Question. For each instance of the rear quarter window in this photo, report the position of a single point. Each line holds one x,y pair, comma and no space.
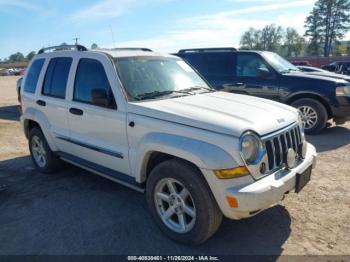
33,76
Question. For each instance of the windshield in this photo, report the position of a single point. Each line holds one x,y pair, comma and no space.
279,63
154,77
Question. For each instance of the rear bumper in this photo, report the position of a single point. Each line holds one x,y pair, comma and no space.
256,196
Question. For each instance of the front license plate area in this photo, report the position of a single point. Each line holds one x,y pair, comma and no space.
303,179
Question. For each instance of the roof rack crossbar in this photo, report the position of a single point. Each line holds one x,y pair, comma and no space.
131,49
63,47
192,50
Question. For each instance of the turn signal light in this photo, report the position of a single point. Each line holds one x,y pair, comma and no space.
233,202
231,173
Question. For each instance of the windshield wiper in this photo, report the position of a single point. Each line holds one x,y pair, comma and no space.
155,94
195,88
286,71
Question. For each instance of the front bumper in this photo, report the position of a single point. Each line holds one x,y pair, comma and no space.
341,112
256,195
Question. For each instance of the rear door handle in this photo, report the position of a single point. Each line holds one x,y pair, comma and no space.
76,111
41,103
240,84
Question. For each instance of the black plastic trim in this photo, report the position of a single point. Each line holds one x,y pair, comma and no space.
101,170
95,148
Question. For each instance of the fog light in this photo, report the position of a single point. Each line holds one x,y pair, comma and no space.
291,158
262,168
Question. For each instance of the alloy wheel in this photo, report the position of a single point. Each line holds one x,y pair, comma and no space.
309,116
175,205
38,151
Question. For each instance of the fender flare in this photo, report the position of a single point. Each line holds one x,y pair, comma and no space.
38,117
200,153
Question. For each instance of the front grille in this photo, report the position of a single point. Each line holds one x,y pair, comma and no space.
277,147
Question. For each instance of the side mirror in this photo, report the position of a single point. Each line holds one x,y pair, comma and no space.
99,97
263,72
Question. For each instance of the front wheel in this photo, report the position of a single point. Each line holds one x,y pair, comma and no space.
313,114
181,202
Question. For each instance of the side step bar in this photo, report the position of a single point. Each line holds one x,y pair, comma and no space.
110,174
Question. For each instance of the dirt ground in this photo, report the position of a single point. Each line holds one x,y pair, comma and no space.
76,212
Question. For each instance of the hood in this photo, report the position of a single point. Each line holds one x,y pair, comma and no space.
317,76
330,74
220,112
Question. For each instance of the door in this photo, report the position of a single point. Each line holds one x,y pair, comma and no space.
219,69
253,76
52,100
97,127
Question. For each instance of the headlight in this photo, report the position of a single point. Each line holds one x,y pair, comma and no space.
251,148
343,91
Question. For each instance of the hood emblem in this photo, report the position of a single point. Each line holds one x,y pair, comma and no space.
280,120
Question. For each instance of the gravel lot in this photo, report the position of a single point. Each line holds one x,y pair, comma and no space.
76,212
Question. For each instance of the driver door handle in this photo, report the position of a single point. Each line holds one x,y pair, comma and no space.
41,103
76,111
239,84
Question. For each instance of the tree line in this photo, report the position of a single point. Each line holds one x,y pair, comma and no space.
18,57
325,27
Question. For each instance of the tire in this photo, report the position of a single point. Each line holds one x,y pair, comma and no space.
317,116
206,215
37,142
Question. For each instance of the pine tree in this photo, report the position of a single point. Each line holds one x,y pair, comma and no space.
327,23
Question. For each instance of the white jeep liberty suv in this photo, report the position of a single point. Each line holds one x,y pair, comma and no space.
150,122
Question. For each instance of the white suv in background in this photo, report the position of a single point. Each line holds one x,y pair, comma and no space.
150,122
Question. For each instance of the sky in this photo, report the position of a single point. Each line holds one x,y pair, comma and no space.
162,25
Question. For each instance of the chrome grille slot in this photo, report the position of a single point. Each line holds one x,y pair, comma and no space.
284,148
277,152
270,157
277,147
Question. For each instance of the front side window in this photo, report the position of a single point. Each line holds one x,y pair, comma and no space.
154,77
33,76
248,65
56,77
90,76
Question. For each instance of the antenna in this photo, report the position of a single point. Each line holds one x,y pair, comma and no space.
113,40
76,40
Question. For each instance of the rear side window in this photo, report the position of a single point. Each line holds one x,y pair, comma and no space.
211,64
196,61
56,77
220,64
90,75
33,76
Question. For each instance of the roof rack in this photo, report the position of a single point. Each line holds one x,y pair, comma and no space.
127,49
216,49
63,47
